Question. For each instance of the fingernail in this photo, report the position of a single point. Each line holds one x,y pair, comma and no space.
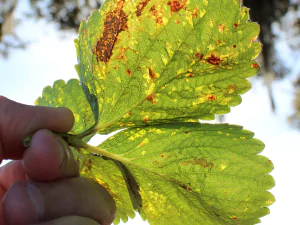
62,151
37,199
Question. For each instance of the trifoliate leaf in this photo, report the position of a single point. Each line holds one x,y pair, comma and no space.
188,173
156,61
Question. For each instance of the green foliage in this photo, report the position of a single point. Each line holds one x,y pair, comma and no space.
155,68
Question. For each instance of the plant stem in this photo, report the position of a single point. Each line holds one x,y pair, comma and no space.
76,142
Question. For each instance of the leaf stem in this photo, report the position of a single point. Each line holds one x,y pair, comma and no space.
77,142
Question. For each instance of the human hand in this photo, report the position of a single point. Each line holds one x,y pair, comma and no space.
42,185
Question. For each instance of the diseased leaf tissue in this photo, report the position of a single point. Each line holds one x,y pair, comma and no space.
153,68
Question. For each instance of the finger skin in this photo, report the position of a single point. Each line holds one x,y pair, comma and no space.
10,173
40,202
49,158
17,121
71,220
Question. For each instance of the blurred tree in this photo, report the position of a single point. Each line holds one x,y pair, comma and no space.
266,12
67,13
7,25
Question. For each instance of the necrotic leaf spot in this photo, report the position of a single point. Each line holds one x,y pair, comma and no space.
128,72
151,74
176,5
213,59
115,23
141,6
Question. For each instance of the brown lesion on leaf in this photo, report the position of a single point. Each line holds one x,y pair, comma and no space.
140,7
203,162
213,59
128,72
154,11
150,98
186,187
159,20
211,97
146,119
152,74
115,23
176,5
230,89
199,56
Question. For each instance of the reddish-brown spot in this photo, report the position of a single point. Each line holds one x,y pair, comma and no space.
201,162
176,5
186,132
154,11
186,187
115,23
212,98
141,6
234,218
218,42
195,15
146,119
159,20
199,56
191,75
221,27
151,74
150,97
236,25
177,21
213,59
231,89
255,65
234,46
128,72
162,155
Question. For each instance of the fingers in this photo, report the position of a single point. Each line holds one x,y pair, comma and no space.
18,121
71,220
40,202
49,158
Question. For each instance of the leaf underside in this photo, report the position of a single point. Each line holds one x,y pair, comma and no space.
156,67
200,173
146,63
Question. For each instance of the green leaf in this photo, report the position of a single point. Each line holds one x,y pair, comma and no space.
152,61
69,95
188,172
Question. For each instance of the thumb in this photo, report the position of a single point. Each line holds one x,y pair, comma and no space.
18,121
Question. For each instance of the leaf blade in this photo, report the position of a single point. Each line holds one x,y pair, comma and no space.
183,164
202,49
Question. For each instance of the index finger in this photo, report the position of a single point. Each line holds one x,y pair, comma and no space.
18,121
